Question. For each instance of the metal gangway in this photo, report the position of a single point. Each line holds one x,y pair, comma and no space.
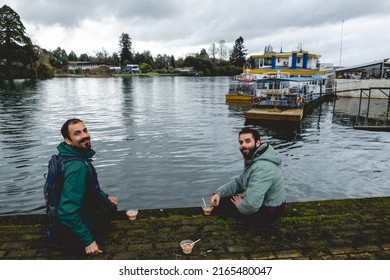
363,121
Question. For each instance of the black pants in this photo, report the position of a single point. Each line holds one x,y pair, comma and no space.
71,245
265,216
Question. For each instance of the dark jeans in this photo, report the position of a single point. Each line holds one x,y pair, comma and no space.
265,216
70,243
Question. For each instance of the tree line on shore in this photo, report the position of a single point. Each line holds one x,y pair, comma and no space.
20,58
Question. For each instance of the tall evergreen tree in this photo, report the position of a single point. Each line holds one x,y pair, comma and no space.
59,59
173,61
237,57
15,45
204,54
83,57
72,56
125,52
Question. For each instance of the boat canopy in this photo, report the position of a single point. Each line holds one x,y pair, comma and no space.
292,79
235,82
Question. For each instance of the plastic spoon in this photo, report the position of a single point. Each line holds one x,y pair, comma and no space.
195,241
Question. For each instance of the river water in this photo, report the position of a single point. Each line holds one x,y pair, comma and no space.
165,142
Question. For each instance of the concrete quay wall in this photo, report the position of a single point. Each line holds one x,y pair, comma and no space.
331,229
351,87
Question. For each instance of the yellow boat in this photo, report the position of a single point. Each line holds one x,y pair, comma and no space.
283,98
242,89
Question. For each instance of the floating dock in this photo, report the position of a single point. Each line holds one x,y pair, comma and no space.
272,114
373,127
237,98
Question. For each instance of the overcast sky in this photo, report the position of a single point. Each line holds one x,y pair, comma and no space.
359,28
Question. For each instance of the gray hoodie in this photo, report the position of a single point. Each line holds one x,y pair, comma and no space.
261,182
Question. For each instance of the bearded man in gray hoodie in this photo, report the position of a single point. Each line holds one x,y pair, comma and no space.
257,196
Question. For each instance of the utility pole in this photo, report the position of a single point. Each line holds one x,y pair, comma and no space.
341,41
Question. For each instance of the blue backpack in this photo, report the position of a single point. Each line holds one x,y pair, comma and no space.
53,188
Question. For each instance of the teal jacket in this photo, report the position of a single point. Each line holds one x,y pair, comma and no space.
81,194
261,182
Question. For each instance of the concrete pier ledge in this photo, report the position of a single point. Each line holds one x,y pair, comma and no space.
332,229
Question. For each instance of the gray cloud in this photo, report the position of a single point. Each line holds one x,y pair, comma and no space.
266,12
71,12
196,23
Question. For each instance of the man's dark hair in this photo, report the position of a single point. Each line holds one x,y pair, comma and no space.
252,131
65,127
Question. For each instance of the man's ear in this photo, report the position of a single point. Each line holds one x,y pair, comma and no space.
258,143
68,141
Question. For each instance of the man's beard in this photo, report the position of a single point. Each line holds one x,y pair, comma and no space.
88,147
249,156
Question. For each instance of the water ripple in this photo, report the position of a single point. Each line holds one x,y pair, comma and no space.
169,141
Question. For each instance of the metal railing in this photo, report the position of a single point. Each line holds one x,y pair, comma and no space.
366,92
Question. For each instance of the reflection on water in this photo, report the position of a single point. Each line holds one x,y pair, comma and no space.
169,141
355,111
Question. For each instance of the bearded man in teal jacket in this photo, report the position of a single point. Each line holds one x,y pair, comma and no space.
257,195
84,209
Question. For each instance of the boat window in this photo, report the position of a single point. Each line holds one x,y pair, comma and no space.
267,61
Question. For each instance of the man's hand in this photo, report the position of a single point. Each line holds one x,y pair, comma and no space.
113,200
214,199
93,249
236,200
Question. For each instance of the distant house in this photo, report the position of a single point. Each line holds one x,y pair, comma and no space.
131,68
185,71
115,69
81,65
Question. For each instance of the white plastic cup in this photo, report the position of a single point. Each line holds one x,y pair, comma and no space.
207,209
186,246
132,214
